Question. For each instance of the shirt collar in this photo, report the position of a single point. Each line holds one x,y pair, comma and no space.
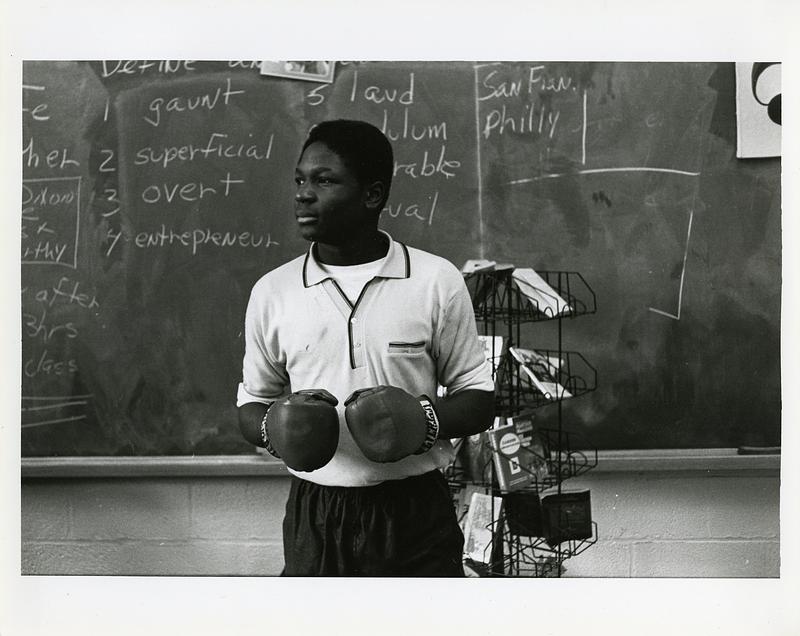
396,265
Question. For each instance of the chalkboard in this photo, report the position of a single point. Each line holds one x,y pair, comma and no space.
155,193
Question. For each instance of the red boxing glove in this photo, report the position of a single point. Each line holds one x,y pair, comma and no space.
302,429
389,424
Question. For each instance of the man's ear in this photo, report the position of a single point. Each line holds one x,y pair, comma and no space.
373,195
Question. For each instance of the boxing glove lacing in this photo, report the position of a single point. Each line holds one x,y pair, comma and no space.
432,423
265,436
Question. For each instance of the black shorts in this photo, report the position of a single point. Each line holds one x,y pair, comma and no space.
406,527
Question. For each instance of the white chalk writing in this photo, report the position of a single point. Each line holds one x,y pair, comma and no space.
428,167
216,146
56,159
194,239
38,112
494,86
41,325
68,291
208,101
407,129
45,364
50,218
529,119
137,67
379,95
420,211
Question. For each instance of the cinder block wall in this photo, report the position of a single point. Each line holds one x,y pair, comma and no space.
668,524
178,526
681,525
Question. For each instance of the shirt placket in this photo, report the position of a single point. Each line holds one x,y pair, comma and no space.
357,324
357,343
354,317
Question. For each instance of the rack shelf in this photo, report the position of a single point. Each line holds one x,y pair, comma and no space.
474,462
533,556
574,377
516,551
496,297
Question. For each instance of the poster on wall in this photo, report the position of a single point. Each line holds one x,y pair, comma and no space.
758,109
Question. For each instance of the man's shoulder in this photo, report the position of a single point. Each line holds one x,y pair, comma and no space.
427,265
285,276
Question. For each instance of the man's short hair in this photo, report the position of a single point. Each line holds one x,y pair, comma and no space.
364,149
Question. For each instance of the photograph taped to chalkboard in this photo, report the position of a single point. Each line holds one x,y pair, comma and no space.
312,71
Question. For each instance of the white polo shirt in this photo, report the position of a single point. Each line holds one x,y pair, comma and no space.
412,327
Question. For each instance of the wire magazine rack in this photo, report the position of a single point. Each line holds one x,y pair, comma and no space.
520,541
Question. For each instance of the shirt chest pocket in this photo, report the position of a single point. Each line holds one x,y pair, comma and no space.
406,348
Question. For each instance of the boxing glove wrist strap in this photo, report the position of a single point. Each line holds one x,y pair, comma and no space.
432,421
265,436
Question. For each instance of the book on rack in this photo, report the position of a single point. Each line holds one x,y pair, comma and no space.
523,513
535,457
517,454
566,515
480,527
540,372
541,295
506,450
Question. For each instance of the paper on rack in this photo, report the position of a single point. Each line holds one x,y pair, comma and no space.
482,519
550,390
542,372
536,289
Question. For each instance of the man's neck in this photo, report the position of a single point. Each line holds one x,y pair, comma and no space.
365,249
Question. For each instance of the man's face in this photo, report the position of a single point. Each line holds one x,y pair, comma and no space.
329,202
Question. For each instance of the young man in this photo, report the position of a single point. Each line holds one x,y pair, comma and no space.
345,347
